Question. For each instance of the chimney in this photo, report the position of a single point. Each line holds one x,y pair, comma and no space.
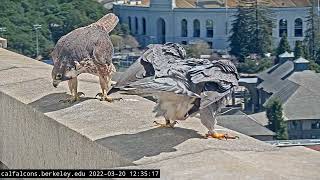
301,64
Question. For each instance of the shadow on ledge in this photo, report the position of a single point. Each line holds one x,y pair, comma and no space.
148,143
51,102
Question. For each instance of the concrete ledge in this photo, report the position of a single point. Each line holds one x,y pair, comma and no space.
36,131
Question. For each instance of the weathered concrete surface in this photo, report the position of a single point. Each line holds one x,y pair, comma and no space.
37,131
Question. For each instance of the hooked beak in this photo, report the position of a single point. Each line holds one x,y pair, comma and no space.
55,83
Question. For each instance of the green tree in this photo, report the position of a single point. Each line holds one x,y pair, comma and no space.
283,45
240,38
254,66
117,42
57,17
251,29
298,50
121,29
276,121
312,37
197,48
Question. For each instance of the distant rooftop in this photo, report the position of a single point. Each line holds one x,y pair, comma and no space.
287,55
220,3
301,60
245,124
298,91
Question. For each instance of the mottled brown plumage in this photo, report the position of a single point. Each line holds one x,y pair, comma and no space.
85,50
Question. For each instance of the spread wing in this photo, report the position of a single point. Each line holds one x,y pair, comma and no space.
163,68
155,62
158,71
218,79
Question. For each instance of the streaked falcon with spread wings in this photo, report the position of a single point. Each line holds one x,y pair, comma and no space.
85,50
182,86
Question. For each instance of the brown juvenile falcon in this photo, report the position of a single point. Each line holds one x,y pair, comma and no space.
85,50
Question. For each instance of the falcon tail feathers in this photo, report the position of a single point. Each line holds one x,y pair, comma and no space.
108,22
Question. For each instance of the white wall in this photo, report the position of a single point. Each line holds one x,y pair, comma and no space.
173,19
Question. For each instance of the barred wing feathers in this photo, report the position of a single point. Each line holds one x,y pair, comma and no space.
218,79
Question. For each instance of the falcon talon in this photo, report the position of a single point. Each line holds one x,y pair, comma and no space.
167,125
221,136
99,95
80,94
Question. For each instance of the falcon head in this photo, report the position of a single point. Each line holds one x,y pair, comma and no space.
63,71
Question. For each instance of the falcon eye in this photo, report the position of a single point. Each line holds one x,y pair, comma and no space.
58,76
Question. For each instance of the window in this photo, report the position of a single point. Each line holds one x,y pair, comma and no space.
136,25
184,28
294,125
315,125
283,27
129,23
144,28
210,44
298,28
209,27
196,28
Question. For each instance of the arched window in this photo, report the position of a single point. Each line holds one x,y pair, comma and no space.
184,28
129,23
209,27
196,28
136,25
161,31
298,28
283,27
144,28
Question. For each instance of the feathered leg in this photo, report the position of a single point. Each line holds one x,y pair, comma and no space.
73,87
208,119
105,84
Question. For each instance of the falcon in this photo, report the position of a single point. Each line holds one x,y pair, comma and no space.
182,86
85,50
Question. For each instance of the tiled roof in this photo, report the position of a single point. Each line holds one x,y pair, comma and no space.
298,91
245,124
231,3
272,77
305,102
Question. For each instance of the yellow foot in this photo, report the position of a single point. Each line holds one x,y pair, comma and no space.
73,99
221,136
106,98
167,125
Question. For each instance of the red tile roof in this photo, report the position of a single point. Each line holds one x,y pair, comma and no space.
233,3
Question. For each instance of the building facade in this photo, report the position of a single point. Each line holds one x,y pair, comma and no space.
183,21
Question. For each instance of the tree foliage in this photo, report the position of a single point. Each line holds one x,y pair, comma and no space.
57,17
276,121
251,29
197,48
298,50
312,37
121,38
254,66
283,45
